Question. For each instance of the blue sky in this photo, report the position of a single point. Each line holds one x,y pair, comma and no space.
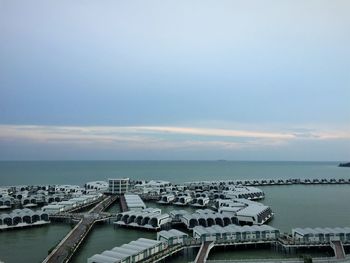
242,80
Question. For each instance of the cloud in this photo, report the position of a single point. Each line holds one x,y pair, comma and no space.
160,137
217,132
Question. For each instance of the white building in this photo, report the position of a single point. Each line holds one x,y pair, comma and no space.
72,203
134,202
96,186
118,185
22,218
172,237
235,233
200,201
246,192
153,186
6,202
204,217
246,211
321,234
134,251
166,199
149,218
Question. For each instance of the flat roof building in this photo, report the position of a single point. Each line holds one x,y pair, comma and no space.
118,185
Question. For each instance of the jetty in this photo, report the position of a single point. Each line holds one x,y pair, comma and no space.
280,244
70,243
122,202
217,185
204,251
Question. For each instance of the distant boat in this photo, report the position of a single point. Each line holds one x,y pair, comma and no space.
344,164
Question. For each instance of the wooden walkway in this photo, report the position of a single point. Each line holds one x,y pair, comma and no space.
338,249
204,252
123,206
66,248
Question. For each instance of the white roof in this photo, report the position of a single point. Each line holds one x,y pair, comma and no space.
113,254
103,259
119,253
216,229
171,233
318,230
122,250
252,210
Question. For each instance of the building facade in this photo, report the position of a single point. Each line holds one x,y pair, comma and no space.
118,185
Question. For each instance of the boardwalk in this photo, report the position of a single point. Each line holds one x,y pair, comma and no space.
66,248
338,249
204,252
205,248
123,206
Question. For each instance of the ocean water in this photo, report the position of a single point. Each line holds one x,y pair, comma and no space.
79,172
294,205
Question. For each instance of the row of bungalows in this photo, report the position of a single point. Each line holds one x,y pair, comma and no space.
207,185
166,198
204,185
134,202
153,187
318,234
96,187
28,201
41,197
229,191
233,233
71,204
183,199
45,192
23,218
133,252
4,191
149,218
6,202
200,201
172,237
67,189
246,211
247,192
203,217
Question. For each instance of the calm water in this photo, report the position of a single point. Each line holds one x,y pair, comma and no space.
176,171
294,206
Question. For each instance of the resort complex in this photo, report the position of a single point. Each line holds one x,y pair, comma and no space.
200,216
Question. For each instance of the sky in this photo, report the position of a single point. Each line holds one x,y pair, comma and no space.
175,80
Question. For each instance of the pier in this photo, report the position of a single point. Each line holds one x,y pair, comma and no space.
338,249
67,247
122,202
281,243
204,252
264,182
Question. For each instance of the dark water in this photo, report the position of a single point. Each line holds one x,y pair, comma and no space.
30,244
295,206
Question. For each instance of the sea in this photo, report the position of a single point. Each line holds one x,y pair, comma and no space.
293,205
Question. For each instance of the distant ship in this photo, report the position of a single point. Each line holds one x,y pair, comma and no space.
344,164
